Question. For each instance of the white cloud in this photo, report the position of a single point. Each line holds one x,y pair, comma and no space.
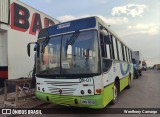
129,9
152,29
108,20
114,20
47,1
101,1
66,18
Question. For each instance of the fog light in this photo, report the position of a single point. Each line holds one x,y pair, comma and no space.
82,92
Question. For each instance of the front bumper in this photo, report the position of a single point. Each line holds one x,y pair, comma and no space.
95,101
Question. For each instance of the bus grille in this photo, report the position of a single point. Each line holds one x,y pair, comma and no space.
67,88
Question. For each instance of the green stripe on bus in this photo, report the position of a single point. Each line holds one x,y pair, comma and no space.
108,94
123,82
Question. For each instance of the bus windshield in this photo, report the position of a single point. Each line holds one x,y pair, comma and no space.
73,53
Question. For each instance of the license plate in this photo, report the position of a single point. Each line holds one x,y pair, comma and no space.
88,102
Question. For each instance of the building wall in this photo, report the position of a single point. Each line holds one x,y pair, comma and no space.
3,48
20,32
4,10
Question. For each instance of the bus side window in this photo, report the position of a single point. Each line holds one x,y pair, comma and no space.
115,48
127,54
109,48
112,48
120,50
103,49
130,56
123,53
108,51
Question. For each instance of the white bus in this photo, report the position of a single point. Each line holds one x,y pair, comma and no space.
81,63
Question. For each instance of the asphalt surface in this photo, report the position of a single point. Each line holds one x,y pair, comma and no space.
145,93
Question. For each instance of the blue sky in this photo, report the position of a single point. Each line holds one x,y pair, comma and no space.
137,22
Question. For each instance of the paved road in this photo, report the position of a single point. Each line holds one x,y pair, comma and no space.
145,93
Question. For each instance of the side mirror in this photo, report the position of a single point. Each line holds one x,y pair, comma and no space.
36,48
28,49
107,39
139,62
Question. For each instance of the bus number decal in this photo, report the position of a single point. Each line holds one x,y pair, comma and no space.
85,79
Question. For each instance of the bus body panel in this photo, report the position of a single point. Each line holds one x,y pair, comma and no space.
118,69
107,94
104,82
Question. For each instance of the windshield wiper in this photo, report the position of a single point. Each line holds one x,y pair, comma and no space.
73,38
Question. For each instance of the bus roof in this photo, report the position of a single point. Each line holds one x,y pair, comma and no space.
74,25
78,24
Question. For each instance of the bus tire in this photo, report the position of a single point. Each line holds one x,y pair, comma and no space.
1,91
129,83
136,76
115,94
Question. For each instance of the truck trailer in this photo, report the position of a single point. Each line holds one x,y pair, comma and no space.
137,63
144,65
19,25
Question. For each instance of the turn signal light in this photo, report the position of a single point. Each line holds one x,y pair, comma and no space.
98,90
82,92
85,84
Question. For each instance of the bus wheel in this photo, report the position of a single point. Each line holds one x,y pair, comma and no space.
129,83
115,94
